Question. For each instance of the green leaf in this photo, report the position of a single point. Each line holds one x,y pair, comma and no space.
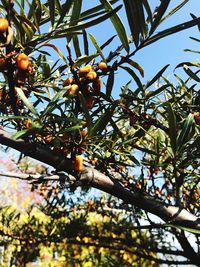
65,10
172,30
95,9
52,104
86,111
110,83
76,11
92,38
132,15
136,66
184,228
148,10
174,10
76,44
172,127
85,42
191,74
22,133
117,23
25,100
159,14
157,91
57,50
52,11
135,77
185,132
102,122
157,76
185,64
84,59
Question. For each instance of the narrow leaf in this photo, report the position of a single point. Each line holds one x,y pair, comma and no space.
172,127
25,100
185,132
159,14
86,111
110,83
84,59
135,77
92,38
52,104
117,23
136,66
172,30
157,76
102,122
157,91
191,74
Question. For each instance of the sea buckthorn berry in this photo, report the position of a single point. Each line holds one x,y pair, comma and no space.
22,61
78,164
3,25
102,65
97,84
91,75
68,81
73,90
197,118
85,69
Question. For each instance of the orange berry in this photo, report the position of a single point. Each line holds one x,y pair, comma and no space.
197,118
97,85
78,164
91,75
73,90
102,65
85,69
3,25
68,81
22,61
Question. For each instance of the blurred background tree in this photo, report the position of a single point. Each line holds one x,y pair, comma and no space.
136,140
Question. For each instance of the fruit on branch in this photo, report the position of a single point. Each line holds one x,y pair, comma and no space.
84,70
97,84
102,65
68,81
22,61
73,90
3,25
78,164
91,76
197,118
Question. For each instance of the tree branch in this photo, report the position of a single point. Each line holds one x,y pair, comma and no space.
93,178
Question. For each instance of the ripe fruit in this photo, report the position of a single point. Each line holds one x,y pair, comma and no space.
22,61
85,69
3,25
97,85
102,65
197,118
91,75
78,164
68,81
73,90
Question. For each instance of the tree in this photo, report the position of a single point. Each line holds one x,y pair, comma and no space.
61,115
